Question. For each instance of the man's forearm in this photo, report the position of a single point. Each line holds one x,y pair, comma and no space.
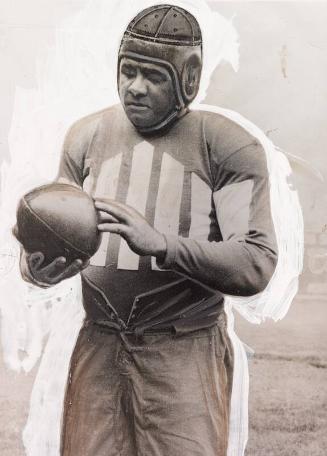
233,267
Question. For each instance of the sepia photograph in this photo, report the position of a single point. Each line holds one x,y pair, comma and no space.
163,235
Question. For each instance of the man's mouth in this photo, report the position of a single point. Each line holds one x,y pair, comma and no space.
136,104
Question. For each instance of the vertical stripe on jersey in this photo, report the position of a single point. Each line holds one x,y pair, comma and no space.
233,208
137,197
106,188
169,197
185,210
201,195
145,261
121,195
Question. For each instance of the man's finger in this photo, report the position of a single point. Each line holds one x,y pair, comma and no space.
105,217
55,266
119,211
116,228
124,207
85,264
75,267
128,210
35,260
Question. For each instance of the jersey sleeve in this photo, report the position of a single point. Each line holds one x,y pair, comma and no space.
244,261
77,142
69,173
71,160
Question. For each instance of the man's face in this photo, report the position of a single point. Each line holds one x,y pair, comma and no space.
146,92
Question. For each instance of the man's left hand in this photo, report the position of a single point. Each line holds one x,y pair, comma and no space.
132,226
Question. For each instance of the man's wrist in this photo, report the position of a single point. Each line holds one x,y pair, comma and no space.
161,248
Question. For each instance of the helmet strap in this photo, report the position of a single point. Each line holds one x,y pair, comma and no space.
164,124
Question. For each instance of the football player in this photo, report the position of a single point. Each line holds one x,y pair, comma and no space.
184,205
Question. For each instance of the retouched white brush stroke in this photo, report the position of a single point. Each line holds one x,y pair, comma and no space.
275,300
79,77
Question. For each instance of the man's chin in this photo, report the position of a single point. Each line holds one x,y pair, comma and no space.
139,120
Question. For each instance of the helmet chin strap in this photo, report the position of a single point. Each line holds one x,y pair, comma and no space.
163,124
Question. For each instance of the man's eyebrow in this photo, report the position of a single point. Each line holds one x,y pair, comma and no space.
153,71
127,65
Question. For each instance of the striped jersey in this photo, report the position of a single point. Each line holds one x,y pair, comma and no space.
203,183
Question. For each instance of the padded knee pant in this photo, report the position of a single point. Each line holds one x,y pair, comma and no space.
156,395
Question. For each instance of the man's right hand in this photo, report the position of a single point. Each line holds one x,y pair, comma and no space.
47,276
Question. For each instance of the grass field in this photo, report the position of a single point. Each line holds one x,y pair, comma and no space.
288,383
288,387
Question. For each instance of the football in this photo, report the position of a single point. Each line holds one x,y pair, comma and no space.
58,220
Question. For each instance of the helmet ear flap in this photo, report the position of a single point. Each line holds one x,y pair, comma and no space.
191,75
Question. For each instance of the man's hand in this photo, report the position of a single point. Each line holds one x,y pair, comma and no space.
44,277
131,225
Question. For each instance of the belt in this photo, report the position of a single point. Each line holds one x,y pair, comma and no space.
132,338
180,307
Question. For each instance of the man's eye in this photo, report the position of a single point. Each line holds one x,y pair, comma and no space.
128,72
155,79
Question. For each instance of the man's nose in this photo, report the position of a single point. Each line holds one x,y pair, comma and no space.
138,87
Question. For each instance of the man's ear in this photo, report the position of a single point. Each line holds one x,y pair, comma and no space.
191,76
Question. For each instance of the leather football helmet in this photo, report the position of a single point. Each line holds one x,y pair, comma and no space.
171,37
